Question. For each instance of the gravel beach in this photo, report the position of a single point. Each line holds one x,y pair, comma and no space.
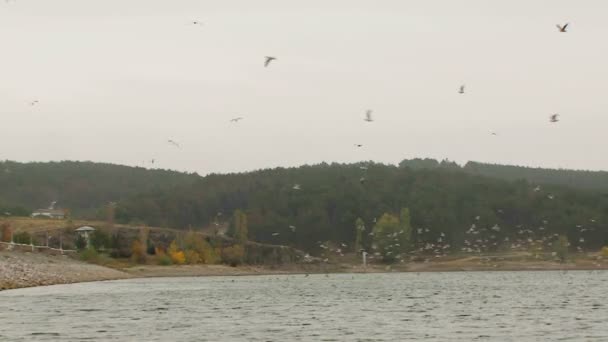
25,269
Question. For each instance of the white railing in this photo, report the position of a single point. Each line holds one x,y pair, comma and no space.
11,245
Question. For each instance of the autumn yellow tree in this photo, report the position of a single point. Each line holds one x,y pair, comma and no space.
176,255
196,243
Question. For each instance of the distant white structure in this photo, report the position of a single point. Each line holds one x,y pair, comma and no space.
50,212
85,232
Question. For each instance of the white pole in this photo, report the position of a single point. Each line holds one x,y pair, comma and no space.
364,253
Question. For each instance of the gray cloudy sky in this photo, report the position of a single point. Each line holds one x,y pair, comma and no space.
116,78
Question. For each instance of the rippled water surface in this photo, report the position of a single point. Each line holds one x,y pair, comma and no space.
491,306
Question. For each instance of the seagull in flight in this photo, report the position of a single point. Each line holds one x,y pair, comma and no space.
33,103
554,118
172,142
562,28
293,228
296,187
461,90
493,133
358,145
268,60
196,22
236,119
368,116
275,234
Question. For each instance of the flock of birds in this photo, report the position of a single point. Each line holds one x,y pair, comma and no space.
478,240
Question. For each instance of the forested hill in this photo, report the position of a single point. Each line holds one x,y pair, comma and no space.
83,187
588,180
306,206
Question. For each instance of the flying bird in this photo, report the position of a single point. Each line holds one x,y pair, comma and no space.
296,187
275,234
461,90
362,180
368,116
358,145
554,118
236,119
493,133
293,228
196,22
562,28
172,142
33,103
268,60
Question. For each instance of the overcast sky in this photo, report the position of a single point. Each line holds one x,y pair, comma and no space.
115,79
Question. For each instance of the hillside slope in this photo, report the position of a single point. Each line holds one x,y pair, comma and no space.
306,206
83,187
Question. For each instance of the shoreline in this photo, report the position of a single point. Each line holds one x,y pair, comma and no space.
26,269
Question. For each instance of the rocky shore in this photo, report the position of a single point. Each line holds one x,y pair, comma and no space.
25,269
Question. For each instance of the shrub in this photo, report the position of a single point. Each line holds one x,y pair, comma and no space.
604,252
210,256
138,252
23,238
164,260
192,257
120,246
89,254
178,257
100,240
233,255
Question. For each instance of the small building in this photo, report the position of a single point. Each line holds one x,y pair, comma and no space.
49,213
85,232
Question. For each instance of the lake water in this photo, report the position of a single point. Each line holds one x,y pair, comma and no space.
463,306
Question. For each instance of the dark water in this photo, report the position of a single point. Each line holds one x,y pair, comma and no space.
490,306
